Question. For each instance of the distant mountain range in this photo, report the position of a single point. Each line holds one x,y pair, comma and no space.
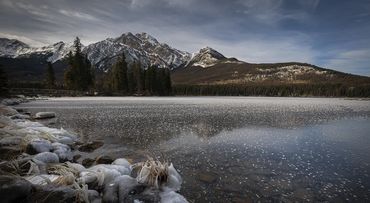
207,66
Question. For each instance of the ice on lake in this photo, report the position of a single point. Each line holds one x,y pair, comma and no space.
235,148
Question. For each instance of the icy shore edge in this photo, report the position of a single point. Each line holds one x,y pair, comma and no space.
37,164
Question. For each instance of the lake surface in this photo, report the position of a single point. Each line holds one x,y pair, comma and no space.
234,149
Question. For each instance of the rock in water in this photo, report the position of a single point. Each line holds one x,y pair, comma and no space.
207,177
14,189
90,146
42,115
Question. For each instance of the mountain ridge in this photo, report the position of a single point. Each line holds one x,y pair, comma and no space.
207,66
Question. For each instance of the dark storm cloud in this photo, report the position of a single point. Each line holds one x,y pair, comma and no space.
330,33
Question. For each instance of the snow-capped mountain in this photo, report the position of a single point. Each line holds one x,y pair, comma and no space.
140,47
207,57
12,48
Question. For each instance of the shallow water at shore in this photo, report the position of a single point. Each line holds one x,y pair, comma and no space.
234,148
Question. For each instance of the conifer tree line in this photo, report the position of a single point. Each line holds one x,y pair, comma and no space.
134,79
50,77
281,90
79,74
3,83
121,79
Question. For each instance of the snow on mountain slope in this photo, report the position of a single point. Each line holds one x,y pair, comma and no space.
139,47
16,49
206,57
12,47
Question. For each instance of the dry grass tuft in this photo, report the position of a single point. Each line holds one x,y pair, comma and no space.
152,172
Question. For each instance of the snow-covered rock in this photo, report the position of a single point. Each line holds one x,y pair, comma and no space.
38,145
172,197
47,157
122,162
41,115
63,151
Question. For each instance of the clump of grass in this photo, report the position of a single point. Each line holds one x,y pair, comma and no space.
152,172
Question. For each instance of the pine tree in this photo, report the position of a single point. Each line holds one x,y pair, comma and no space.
79,74
119,75
138,77
131,82
150,80
167,82
50,76
3,83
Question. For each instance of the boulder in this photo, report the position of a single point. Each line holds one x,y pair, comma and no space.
44,115
11,141
7,111
90,146
47,157
88,162
172,197
5,121
14,189
63,151
122,162
76,157
50,193
94,196
103,160
20,116
38,145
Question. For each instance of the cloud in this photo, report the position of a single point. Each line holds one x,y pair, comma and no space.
75,14
251,30
351,61
22,39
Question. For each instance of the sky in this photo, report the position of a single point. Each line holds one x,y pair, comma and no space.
333,34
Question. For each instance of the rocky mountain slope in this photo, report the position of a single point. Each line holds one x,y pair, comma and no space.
140,47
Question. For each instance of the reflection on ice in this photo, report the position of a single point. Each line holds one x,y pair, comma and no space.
232,149
308,163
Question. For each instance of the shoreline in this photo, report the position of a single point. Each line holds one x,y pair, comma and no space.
36,159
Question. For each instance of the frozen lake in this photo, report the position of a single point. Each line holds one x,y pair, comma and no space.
232,149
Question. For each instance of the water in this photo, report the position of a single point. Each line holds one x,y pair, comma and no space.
235,149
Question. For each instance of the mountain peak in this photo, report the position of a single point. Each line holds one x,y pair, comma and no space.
206,57
11,47
146,37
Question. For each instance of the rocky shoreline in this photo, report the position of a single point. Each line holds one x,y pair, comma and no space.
39,164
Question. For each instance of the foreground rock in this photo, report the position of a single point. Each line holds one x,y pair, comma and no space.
14,189
44,115
7,111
